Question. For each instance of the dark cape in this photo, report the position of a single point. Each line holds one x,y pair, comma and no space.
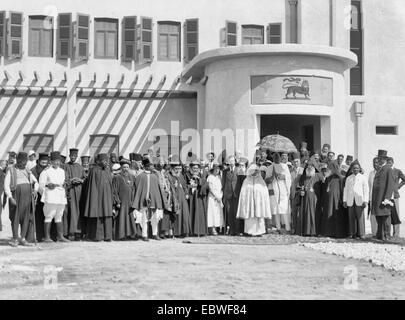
230,200
309,206
156,196
72,220
335,221
123,196
198,205
99,205
182,225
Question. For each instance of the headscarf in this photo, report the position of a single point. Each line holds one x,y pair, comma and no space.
252,168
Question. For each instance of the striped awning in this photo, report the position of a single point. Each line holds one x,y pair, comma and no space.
33,91
135,94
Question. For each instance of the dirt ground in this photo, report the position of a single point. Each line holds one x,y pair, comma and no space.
171,269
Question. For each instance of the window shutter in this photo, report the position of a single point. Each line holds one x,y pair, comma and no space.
2,33
274,33
191,39
64,32
14,42
146,40
82,37
129,36
231,33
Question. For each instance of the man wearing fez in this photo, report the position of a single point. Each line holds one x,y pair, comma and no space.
85,161
324,153
74,180
20,186
136,164
383,188
149,200
12,158
98,201
52,189
42,164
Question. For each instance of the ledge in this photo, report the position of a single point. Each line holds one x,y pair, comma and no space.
196,67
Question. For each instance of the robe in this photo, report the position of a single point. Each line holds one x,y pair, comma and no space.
182,225
280,201
71,220
309,206
335,220
198,206
254,205
155,192
2,176
230,200
215,214
99,205
123,195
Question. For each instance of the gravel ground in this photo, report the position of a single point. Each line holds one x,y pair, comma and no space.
389,256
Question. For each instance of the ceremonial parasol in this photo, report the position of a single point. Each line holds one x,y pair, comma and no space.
277,143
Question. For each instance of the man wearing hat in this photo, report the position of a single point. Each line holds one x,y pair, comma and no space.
42,164
12,158
31,160
304,153
52,189
98,201
20,186
383,188
149,200
296,172
85,161
136,164
74,180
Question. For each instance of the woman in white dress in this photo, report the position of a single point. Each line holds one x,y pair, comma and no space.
254,203
215,215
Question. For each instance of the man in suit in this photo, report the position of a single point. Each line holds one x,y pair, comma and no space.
395,215
383,188
355,197
233,226
371,216
296,173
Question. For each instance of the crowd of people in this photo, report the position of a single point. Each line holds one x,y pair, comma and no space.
150,197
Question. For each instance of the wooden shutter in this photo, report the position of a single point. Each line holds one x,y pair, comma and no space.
231,33
191,39
146,40
129,36
64,36
274,33
3,33
82,37
14,41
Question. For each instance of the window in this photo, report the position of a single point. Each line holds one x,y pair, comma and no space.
191,39
14,40
64,42
40,143
252,34
129,38
40,36
231,33
145,40
82,37
386,130
2,33
168,41
106,38
103,143
356,46
274,33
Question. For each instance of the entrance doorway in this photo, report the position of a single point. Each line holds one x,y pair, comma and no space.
297,128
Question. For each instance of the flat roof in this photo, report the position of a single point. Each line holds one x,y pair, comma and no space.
196,67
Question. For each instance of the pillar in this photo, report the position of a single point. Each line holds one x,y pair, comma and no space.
293,20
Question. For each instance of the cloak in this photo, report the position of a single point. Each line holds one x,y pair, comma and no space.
157,199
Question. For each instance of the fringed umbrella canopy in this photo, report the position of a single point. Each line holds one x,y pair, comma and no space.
277,143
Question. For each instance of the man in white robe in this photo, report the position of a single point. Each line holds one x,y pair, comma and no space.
278,179
254,203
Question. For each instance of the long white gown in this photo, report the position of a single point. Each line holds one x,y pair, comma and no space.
215,215
280,202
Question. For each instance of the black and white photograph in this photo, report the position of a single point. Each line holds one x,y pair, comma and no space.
185,150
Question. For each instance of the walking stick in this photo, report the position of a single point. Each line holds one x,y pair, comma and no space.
33,205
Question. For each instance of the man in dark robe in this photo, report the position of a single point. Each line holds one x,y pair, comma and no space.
123,195
233,226
42,164
98,201
197,189
335,220
309,205
383,189
74,181
149,200
296,173
182,226
395,214
3,166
